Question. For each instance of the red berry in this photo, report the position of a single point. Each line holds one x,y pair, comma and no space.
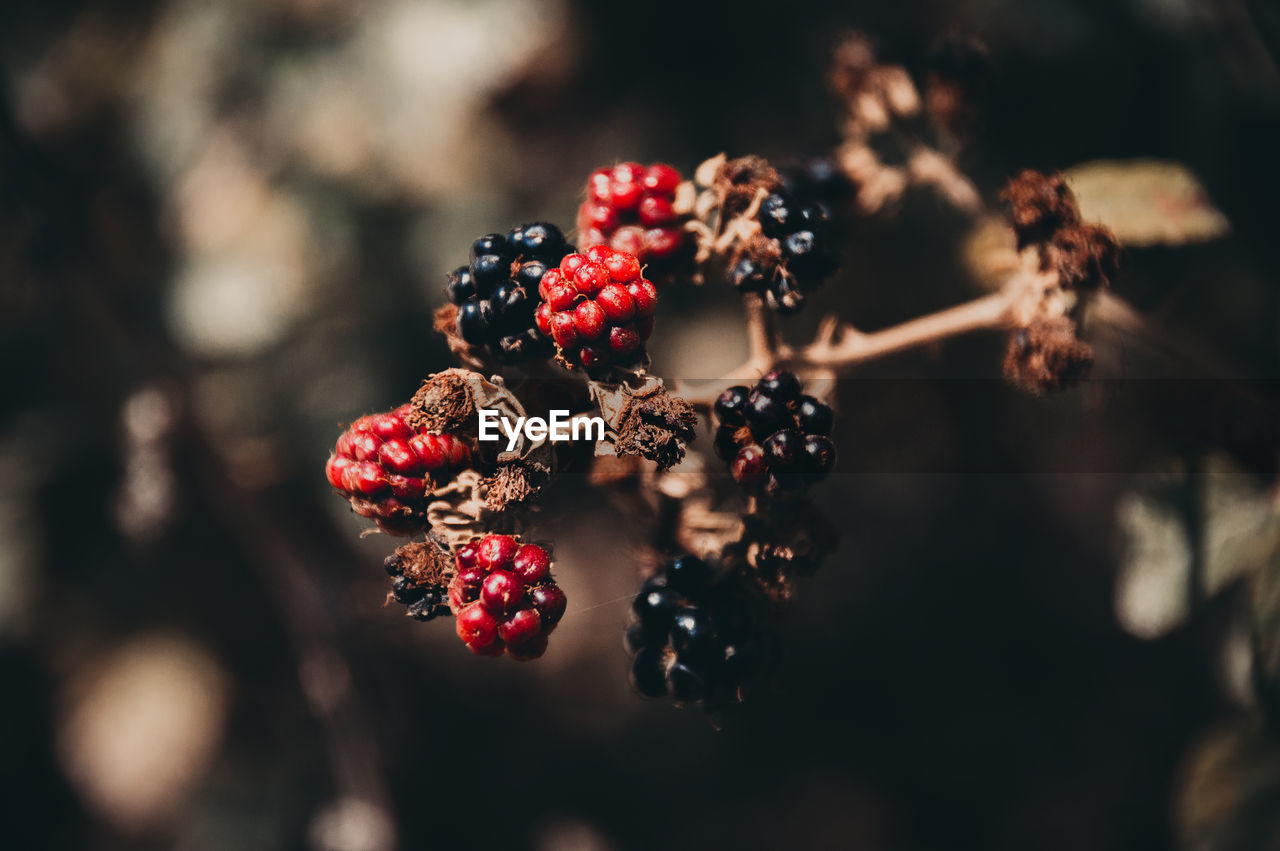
542,318
408,487
398,456
364,478
365,445
502,592
428,450
531,564
550,602
623,340
656,211
616,303
623,268
522,627
661,179
465,587
388,426
589,319
529,650
598,184
550,278
630,240
570,263
632,208
334,468
749,466
644,295
662,243
628,173
590,278
625,196
477,627
601,216
563,330
466,555
600,253
496,552
591,357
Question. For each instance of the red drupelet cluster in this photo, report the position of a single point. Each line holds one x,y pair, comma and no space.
504,597
386,468
632,208
598,308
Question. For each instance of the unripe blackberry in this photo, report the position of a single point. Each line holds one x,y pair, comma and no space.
501,581
773,436
631,208
696,636
387,470
598,309
497,294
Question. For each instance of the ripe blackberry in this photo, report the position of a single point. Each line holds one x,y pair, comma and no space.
631,207
387,469
597,308
820,182
792,260
497,293
774,437
699,638
504,597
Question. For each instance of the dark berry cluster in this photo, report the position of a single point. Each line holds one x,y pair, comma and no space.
504,597
597,308
386,468
799,259
497,293
632,208
819,181
698,637
774,437
426,600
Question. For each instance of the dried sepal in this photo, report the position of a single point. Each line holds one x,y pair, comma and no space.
1046,355
423,563
642,419
515,484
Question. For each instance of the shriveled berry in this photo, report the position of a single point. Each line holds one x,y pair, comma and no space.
405,590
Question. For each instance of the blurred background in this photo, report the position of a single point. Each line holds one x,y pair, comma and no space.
1051,623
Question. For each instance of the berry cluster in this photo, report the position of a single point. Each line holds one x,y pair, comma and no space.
495,294
632,208
799,257
597,308
698,638
386,468
426,601
819,181
774,437
504,597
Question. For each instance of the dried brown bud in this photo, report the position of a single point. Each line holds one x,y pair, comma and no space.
444,404
739,181
515,484
1047,356
956,85
1039,205
657,427
425,562
1085,255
